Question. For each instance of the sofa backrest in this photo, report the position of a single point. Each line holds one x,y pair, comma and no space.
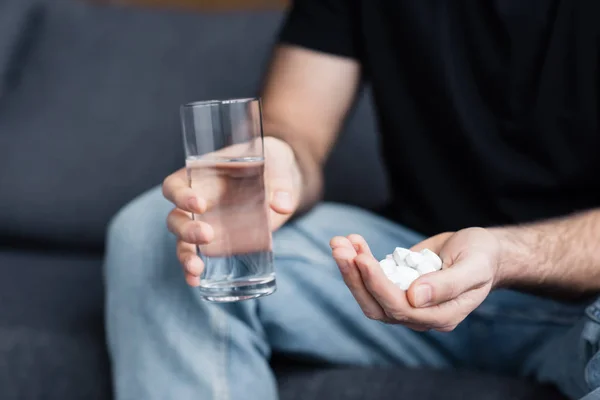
89,111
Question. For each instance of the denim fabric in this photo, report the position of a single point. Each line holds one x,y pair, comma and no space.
167,343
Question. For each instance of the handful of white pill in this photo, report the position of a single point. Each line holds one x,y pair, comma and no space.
403,266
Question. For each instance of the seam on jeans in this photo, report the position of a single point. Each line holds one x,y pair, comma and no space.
220,330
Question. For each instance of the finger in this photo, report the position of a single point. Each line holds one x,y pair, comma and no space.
276,220
395,304
360,244
418,328
391,299
443,317
344,255
189,259
434,243
192,280
282,200
176,189
340,241
438,287
182,226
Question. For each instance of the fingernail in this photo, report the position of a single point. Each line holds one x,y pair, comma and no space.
283,199
422,295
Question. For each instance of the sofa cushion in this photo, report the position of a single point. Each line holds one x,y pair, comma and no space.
93,120
404,383
18,21
51,327
93,116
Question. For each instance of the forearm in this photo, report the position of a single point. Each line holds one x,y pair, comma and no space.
306,97
559,256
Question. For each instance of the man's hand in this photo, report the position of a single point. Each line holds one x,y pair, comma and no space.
438,300
282,179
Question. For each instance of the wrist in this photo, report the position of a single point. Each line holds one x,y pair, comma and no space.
512,250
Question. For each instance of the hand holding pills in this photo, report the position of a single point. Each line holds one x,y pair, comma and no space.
410,287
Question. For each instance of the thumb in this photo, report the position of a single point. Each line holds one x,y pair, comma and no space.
281,200
441,286
282,177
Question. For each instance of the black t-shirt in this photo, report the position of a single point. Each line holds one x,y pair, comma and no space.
488,110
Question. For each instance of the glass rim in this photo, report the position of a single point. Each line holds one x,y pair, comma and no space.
216,102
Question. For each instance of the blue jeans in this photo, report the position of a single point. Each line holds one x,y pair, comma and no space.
166,343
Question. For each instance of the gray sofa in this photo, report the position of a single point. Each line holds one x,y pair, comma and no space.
89,100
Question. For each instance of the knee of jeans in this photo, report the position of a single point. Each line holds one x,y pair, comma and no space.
291,242
148,210
137,232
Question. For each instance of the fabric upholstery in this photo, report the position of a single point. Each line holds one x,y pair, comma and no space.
404,383
92,118
89,99
51,327
17,29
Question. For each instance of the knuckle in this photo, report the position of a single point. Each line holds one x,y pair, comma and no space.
190,235
354,288
350,281
165,185
171,220
183,232
186,260
448,292
365,274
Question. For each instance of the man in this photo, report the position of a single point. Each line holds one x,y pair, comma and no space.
489,119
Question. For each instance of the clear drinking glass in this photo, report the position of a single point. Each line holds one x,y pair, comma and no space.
225,162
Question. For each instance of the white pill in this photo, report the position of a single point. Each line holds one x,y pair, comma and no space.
414,259
400,254
403,277
426,267
433,258
388,266
403,264
389,257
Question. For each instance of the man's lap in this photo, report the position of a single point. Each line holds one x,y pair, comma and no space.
313,314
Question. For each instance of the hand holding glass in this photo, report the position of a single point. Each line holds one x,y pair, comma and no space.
225,163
